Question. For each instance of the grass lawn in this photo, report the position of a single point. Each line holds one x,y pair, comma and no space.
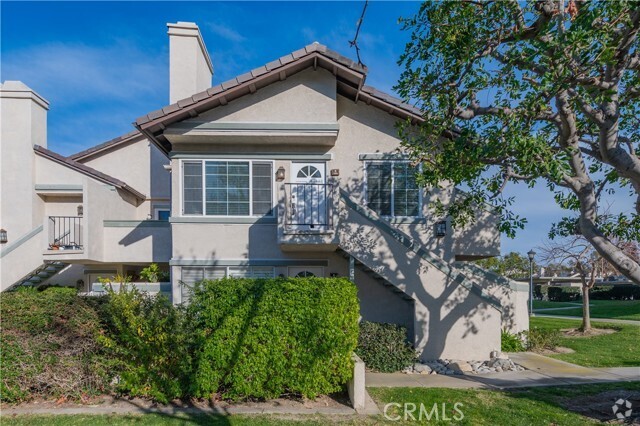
532,406
618,309
611,350
174,419
544,304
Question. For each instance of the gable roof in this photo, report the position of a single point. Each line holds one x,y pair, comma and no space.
112,143
350,78
86,170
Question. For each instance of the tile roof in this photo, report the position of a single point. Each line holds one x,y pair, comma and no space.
86,170
127,137
252,75
350,75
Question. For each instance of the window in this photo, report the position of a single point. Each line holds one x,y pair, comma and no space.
162,213
192,275
227,188
392,189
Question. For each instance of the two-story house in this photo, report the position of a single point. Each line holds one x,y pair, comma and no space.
292,169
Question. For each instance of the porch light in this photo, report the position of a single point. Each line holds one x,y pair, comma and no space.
80,210
280,174
3,236
441,228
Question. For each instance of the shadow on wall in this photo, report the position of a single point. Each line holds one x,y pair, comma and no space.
446,301
161,240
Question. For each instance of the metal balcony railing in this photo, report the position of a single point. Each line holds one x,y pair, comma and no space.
65,232
308,206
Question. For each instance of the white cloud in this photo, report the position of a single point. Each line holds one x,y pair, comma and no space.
95,92
226,32
69,74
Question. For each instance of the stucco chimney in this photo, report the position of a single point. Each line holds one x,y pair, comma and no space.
23,124
190,68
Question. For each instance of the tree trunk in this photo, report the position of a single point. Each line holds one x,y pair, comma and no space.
586,313
588,228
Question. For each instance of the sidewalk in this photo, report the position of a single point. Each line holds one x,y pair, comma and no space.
609,320
541,371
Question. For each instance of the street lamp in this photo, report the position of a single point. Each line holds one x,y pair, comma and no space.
531,255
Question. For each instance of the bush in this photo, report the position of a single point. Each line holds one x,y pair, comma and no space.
153,274
564,294
148,340
539,339
615,292
511,342
384,347
268,337
49,346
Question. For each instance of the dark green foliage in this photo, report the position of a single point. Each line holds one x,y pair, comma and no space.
564,294
49,346
148,341
384,347
511,342
542,338
615,292
265,338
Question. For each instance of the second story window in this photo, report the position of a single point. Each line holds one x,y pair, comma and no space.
227,188
392,190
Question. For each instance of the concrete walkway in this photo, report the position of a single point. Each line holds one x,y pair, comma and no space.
610,320
541,371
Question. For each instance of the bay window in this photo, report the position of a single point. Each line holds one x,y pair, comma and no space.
227,188
392,190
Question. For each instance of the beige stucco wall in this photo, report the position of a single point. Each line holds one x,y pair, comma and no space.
141,165
308,96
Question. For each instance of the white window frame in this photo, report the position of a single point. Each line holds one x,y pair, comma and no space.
366,188
204,188
227,269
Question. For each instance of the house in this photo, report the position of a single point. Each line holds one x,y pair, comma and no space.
291,169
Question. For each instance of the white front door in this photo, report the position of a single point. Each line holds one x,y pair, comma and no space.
308,196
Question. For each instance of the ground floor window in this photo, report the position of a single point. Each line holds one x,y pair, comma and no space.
192,275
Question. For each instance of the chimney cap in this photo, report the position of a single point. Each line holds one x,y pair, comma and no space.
190,29
18,90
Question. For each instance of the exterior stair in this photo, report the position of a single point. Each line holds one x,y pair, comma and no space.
456,310
40,274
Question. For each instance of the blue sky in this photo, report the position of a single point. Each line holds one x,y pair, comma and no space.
103,64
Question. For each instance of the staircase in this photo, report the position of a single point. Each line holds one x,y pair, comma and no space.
454,313
40,274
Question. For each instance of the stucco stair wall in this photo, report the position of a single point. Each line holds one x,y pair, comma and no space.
453,318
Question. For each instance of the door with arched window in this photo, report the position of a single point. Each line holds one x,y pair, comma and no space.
308,196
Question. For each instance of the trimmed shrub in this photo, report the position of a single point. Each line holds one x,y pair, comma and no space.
268,337
539,339
148,342
615,292
511,342
384,347
564,294
49,346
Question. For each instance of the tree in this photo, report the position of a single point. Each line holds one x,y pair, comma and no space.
577,253
515,93
511,265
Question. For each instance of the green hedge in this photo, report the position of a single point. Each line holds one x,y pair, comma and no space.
384,347
49,346
149,342
266,338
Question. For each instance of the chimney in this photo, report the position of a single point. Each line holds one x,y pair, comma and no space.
190,68
23,124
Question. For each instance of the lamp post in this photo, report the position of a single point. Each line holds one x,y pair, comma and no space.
531,255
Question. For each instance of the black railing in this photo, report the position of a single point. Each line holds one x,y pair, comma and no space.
65,232
308,205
